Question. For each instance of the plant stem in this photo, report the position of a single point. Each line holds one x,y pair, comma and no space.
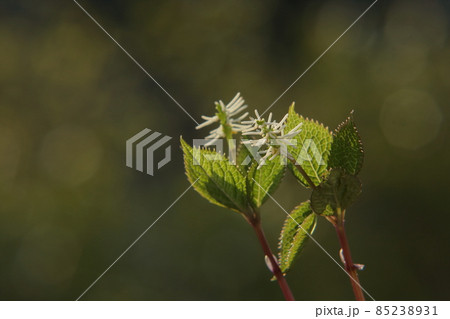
349,267
302,171
275,268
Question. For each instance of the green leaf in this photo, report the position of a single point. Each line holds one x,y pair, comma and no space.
338,191
244,158
312,149
218,180
264,181
347,149
293,237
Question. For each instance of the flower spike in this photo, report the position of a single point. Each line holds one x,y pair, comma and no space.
224,116
271,135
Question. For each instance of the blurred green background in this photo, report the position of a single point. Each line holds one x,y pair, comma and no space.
70,98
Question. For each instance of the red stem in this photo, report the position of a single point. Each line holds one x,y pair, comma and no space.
338,223
275,268
349,267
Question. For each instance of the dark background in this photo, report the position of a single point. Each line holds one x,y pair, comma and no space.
70,98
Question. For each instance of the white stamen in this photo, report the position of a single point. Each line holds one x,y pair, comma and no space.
234,107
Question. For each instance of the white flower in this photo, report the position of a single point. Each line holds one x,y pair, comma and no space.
224,118
272,135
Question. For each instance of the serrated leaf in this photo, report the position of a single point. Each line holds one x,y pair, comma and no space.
294,234
312,149
347,149
264,181
219,180
340,190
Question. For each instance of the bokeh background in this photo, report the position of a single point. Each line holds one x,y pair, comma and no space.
69,99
